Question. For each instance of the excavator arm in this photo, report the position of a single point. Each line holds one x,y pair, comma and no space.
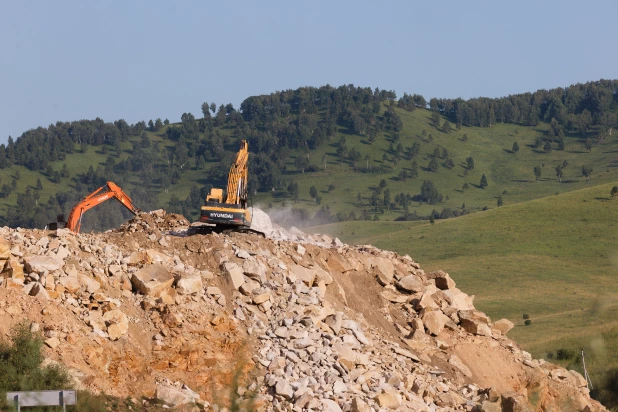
237,193
96,198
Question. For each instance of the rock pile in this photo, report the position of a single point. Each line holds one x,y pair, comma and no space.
323,325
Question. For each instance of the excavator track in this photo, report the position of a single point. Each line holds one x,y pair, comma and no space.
202,229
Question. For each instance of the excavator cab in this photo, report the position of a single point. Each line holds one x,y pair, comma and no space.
60,223
215,195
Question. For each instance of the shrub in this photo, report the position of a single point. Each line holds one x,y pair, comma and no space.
526,316
564,354
527,322
20,363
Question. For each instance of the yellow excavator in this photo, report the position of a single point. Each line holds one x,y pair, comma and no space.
232,213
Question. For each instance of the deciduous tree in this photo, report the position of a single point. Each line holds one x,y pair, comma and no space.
537,172
313,192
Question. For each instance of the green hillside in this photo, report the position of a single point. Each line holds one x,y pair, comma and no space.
555,259
365,153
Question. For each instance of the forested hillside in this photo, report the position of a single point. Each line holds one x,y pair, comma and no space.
328,153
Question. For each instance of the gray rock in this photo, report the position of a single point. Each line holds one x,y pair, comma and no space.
172,396
188,285
329,405
243,254
334,321
283,388
42,264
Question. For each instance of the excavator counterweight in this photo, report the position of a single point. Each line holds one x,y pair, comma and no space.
109,191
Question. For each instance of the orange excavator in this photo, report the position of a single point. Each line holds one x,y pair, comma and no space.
109,191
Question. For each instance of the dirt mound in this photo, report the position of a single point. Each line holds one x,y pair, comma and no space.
313,323
157,219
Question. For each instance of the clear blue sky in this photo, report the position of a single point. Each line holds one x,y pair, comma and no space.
139,60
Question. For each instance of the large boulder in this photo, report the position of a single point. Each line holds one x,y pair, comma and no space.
458,300
411,283
426,302
504,325
388,399
435,321
347,356
233,274
328,405
188,285
394,297
5,249
384,267
151,280
254,270
283,388
157,257
174,397
89,283
42,264
442,279
117,323
70,283
475,322
12,269
305,274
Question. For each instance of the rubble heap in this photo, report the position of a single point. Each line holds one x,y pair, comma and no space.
315,324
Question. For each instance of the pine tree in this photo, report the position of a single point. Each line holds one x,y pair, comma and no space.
483,182
470,162
446,127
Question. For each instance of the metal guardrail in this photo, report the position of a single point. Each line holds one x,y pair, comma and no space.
42,398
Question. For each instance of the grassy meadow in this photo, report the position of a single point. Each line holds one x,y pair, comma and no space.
509,174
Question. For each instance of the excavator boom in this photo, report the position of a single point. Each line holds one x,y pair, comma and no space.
96,198
237,178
